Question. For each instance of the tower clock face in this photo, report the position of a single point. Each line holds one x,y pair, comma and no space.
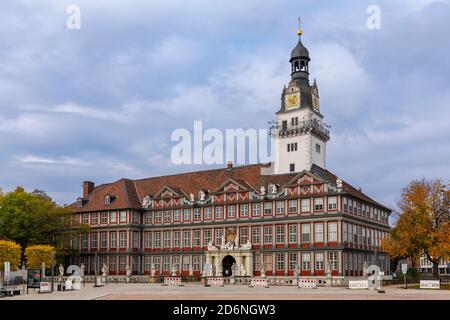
293,100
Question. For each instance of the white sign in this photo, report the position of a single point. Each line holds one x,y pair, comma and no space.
259,282
307,283
215,281
404,268
7,269
358,284
44,287
430,284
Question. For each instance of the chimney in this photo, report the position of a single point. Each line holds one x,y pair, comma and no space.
229,165
88,187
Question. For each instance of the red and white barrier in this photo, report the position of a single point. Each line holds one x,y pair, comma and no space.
215,281
307,283
259,282
172,281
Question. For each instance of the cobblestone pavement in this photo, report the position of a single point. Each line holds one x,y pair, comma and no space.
230,292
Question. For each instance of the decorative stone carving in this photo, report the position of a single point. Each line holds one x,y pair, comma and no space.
211,247
273,189
234,269
192,197
104,270
174,271
152,270
339,183
147,202
236,242
201,195
242,272
262,190
246,246
61,270
128,272
191,270
82,268
365,269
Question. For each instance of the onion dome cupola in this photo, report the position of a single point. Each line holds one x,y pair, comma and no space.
300,60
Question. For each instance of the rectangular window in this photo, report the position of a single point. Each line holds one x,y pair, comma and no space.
167,216
306,233
176,215
197,238
306,205
267,234
218,236
122,239
166,239
186,262
268,261
157,239
94,218
318,232
256,209
94,240
136,217
103,239
292,206
280,207
319,260
84,241
196,263
306,261
113,217
85,218
206,236
104,217
158,216
243,235
317,148
332,203
292,261
292,167
148,217
207,213
268,208
280,261
112,263
166,263
147,263
332,231
293,233
176,262
244,210
218,212
279,234
231,211
187,215
176,239
318,204
197,214
256,235
122,263
147,239
123,216
157,263
135,239
186,238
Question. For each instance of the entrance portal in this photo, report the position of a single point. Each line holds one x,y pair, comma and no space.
227,262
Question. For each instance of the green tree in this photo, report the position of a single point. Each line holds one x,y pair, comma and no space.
33,218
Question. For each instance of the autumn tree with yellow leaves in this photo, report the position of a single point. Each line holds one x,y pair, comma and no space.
423,226
37,254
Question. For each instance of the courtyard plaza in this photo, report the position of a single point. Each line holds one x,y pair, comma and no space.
197,291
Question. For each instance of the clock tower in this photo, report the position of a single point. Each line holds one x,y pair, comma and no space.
300,135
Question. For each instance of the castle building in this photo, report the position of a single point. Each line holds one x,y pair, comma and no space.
292,216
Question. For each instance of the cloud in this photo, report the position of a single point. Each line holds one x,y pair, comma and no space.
100,103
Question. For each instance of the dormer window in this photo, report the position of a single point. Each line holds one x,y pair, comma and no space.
79,203
107,200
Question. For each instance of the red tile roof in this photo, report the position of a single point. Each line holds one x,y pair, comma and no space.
129,193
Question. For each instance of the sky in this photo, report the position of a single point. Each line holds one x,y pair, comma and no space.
100,103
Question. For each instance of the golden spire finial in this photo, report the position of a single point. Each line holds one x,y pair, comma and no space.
299,30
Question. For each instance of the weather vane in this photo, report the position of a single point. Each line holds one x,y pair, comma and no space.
299,30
